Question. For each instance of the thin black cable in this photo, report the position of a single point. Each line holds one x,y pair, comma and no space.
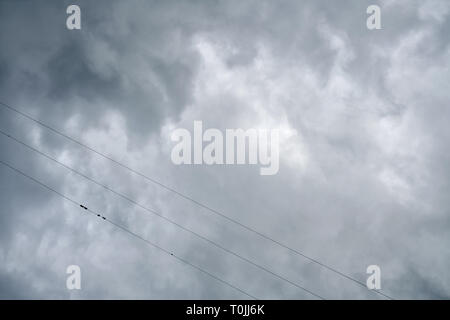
128,231
162,216
195,201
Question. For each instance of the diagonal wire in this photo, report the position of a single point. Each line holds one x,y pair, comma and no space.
248,228
121,227
162,216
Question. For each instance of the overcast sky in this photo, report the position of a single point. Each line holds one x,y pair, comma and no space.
364,173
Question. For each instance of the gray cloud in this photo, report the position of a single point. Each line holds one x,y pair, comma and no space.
364,172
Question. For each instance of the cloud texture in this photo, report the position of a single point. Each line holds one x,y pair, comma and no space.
364,163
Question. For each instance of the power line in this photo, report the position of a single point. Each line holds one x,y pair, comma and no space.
129,231
248,228
161,216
